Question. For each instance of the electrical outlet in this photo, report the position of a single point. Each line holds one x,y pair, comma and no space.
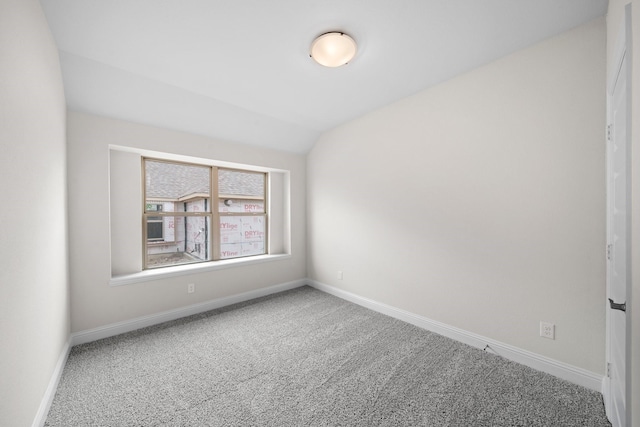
548,330
191,288
339,275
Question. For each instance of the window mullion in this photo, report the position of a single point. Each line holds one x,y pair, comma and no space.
145,241
266,215
215,213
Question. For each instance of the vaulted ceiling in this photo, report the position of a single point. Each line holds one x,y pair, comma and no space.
240,70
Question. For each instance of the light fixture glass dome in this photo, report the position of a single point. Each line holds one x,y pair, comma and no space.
333,49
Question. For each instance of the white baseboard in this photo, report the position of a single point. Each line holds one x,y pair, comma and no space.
113,329
49,394
606,396
559,369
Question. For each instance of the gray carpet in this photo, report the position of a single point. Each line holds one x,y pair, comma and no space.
306,358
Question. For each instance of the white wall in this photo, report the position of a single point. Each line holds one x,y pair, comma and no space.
614,26
94,302
34,308
479,203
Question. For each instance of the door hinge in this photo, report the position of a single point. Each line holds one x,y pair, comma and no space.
608,370
609,252
617,306
608,132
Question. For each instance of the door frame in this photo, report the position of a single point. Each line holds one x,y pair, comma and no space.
622,51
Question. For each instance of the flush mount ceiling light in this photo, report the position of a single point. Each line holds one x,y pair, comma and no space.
333,49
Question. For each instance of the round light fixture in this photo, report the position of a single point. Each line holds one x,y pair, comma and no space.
333,49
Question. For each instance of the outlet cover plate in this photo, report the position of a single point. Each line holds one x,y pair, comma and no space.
548,330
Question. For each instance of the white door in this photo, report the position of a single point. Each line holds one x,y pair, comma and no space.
618,266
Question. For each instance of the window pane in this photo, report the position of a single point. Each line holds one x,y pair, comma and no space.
172,187
242,236
240,205
237,183
154,230
186,240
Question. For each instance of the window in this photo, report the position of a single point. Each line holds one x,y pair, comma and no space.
154,223
178,213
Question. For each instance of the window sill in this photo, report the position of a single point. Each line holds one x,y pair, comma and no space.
182,270
161,243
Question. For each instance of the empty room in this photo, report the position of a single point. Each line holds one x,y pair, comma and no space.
320,213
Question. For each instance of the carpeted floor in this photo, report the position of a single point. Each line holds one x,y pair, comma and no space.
306,358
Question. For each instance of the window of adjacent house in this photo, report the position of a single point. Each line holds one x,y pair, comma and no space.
178,215
155,228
